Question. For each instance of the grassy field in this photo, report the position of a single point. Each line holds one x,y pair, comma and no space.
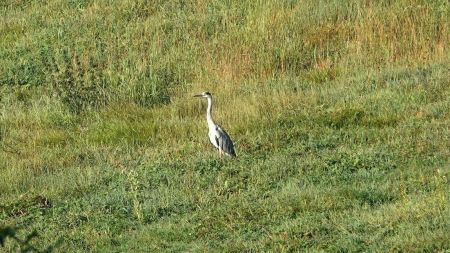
340,111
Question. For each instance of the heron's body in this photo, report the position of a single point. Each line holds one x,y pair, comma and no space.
217,135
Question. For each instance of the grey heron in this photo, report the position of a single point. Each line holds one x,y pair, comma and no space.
217,135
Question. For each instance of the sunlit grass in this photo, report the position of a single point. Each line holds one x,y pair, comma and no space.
339,110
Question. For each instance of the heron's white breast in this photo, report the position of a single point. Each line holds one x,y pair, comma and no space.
212,133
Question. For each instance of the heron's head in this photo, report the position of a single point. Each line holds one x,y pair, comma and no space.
205,94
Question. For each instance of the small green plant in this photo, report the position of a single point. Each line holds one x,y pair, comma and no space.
134,188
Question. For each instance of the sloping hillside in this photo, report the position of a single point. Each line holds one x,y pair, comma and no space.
340,113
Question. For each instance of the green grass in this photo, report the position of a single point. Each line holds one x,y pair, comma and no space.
340,111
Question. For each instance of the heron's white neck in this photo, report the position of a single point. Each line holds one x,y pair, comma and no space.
209,118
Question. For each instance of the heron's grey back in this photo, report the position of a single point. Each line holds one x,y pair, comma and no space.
224,141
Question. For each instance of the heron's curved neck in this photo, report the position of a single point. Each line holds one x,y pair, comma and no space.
209,118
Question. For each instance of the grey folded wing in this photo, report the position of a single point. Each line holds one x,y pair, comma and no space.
224,141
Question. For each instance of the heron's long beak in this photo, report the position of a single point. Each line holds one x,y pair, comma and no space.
199,95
